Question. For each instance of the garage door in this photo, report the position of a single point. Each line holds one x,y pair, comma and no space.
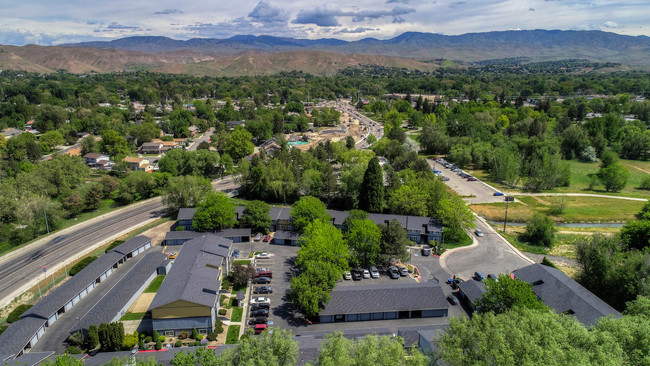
68,306
51,320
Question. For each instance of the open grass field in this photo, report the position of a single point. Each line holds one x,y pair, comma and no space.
155,284
565,245
578,209
580,179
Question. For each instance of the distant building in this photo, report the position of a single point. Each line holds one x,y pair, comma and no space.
151,148
11,132
93,158
189,295
565,295
470,291
232,124
138,164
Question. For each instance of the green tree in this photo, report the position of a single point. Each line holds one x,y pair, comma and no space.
371,194
409,200
64,360
455,214
214,213
323,243
507,293
364,239
614,177
306,211
525,337
145,132
349,142
608,158
52,139
114,144
88,145
239,143
394,241
179,122
636,234
257,217
92,339
184,191
540,230
241,275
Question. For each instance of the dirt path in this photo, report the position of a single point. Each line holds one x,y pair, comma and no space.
637,168
576,195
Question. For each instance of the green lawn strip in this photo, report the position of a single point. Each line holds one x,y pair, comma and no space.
224,301
154,286
461,241
524,247
132,316
232,337
243,262
236,314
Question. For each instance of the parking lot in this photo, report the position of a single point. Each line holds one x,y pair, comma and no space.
472,192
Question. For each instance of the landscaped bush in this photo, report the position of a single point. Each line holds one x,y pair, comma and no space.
162,338
73,350
178,343
158,345
183,335
196,344
3,328
147,339
218,326
212,336
225,284
199,337
645,184
180,228
195,333
222,311
81,265
14,316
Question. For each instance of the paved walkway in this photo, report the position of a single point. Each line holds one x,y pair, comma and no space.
577,195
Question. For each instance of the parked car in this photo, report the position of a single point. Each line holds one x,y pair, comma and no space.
479,276
263,306
356,275
258,237
267,238
263,255
259,328
235,253
471,179
260,320
374,273
259,312
260,300
173,255
498,194
493,276
347,275
453,299
261,280
426,251
264,273
263,290
393,273
445,179
455,282
366,273
478,232
403,271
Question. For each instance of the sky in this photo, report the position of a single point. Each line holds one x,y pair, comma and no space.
51,22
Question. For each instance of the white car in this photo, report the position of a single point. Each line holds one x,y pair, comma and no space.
347,275
478,232
374,273
366,273
260,300
263,255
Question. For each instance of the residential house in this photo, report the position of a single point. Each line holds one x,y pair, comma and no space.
232,124
565,295
137,164
11,132
470,291
151,148
94,158
189,295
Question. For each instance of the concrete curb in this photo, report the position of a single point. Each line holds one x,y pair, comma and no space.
444,255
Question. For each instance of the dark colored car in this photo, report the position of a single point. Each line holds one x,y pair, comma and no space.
265,306
357,275
403,271
263,290
479,276
471,179
455,282
259,312
264,273
426,251
235,253
493,276
393,273
453,299
261,280
260,320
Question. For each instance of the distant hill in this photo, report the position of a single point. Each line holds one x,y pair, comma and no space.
260,55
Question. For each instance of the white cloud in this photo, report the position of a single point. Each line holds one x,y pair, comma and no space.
611,24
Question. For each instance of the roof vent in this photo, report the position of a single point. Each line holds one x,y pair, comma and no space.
538,282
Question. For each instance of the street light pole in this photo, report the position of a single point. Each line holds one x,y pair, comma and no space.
506,218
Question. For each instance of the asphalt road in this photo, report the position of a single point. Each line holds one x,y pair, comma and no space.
472,192
374,128
21,269
206,137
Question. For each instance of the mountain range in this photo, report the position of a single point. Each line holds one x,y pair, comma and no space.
269,54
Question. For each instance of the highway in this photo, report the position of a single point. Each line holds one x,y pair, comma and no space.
21,269
374,128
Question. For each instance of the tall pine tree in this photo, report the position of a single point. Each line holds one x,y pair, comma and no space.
371,196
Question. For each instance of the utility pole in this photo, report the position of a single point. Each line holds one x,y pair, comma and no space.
47,226
506,218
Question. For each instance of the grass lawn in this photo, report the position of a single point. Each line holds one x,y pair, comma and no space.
462,241
223,300
578,209
565,245
243,262
236,314
155,284
132,316
232,337
580,179
237,289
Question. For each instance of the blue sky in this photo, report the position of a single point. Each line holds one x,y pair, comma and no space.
48,22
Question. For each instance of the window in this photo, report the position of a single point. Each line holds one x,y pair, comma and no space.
289,227
203,331
281,227
169,333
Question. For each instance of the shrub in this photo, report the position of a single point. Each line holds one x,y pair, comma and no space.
156,335
162,338
180,228
547,262
158,345
218,326
3,328
540,230
178,343
76,339
199,337
114,245
14,316
92,340
197,344
212,336
144,333
147,339
81,265
183,335
225,284
195,333
222,311
141,344
72,350
645,184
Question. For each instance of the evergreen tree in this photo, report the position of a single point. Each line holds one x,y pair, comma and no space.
371,196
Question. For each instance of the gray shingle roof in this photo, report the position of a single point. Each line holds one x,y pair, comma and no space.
563,294
384,298
280,213
16,337
472,289
283,234
233,232
118,296
175,235
31,358
192,277
133,244
185,214
338,217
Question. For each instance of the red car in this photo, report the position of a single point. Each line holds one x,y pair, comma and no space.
267,238
471,179
259,328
